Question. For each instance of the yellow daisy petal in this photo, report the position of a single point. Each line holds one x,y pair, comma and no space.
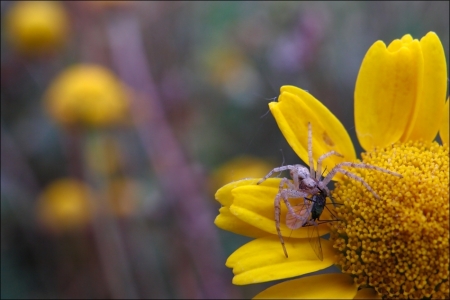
254,205
223,195
368,293
431,101
325,286
407,38
443,132
227,221
263,260
386,91
294,109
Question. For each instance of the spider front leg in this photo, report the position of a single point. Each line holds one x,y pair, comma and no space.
274,170
284,194
277,220
318,172
297,171
310,152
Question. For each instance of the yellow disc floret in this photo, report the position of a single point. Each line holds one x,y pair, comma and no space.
398,244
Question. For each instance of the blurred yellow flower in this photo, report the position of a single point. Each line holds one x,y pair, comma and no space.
396,246
36,27
65,205
87,95
229,69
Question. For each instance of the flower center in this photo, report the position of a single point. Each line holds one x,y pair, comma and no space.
398,244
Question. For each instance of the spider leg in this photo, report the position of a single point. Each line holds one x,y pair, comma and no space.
277,220
290,192
303,210
356,165
366,166
338,168
310,152
277,170
351,175
321,158
284,195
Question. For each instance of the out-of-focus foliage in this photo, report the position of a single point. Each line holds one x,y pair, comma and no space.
192,81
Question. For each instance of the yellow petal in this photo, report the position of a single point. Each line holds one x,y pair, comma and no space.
430,104
254,204
386,92
325,286
407,38
263,260
368,293
294,109
227,221
443,132
223,195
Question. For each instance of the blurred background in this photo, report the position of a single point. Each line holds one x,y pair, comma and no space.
120,120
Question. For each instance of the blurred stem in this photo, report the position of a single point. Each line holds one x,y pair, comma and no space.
71,138
112,253
175,175
14,162
14,168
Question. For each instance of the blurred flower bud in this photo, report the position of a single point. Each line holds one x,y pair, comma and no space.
64,205
36,27
87,95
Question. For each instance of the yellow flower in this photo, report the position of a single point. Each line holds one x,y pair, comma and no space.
37,27
395,246
65,205
88,95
